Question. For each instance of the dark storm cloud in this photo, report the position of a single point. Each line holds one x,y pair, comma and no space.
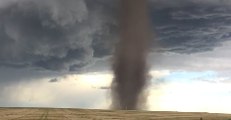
9,75
190,26
54,34
70,35
54,80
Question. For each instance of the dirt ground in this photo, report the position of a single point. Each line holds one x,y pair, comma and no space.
85,114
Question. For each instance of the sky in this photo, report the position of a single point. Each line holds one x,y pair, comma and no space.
56,53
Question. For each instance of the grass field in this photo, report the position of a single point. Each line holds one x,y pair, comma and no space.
87,114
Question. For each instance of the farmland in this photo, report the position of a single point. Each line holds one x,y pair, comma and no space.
93,114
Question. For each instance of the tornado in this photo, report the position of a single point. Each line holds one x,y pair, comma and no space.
129,65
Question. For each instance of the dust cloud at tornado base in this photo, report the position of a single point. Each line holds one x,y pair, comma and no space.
129,65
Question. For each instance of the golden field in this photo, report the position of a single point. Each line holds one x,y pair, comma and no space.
93,114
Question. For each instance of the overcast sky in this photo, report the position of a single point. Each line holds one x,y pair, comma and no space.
57,53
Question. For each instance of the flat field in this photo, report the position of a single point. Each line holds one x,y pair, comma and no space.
92,114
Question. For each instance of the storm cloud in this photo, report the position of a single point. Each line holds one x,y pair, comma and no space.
191,26
72,35
53,34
